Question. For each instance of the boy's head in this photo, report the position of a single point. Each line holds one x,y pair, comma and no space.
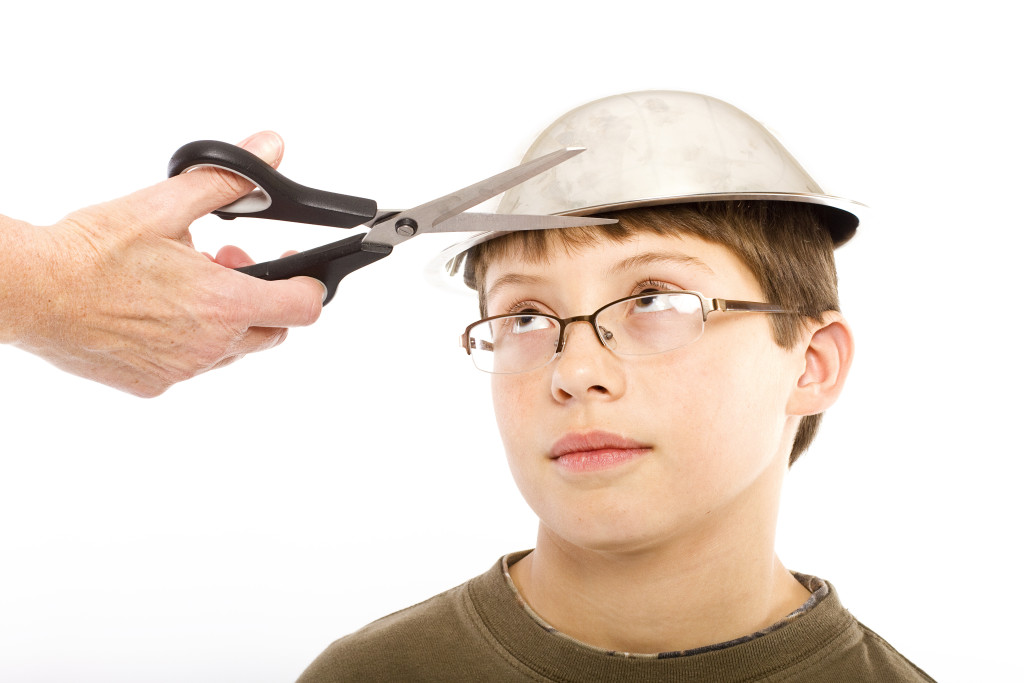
632,408
783,245
668,163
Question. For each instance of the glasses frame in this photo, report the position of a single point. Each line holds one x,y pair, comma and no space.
708,305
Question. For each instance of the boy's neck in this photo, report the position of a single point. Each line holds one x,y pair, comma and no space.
686,594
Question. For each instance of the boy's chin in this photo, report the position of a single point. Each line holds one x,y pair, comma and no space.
620,536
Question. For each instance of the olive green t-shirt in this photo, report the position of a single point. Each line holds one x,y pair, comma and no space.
479,631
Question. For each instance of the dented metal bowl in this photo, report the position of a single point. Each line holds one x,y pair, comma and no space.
662,147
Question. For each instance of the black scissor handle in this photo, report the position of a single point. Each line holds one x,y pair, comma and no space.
288,201
329,264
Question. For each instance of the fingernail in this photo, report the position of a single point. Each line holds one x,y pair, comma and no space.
266,145
323,297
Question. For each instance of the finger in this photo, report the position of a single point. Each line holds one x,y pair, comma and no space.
285,303
258,339
231,256
174,203
206,189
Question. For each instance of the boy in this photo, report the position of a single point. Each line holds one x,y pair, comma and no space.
652,382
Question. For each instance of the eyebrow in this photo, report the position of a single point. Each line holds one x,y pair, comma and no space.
511,279
652,258
643,260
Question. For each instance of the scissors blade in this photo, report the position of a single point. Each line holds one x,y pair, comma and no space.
505,222
423,218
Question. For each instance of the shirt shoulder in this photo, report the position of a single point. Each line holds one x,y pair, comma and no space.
364,654
438,639
889,663
857,654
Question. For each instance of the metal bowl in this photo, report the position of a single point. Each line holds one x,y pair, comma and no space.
662,147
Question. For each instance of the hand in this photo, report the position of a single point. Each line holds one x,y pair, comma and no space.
118,294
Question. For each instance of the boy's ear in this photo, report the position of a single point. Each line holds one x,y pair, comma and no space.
827,355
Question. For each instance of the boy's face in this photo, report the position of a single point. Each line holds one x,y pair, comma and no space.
683,439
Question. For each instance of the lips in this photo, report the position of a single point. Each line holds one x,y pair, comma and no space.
582,452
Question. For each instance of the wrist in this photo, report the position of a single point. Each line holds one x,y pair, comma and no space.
25,262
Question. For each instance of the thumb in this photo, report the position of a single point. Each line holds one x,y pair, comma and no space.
205,189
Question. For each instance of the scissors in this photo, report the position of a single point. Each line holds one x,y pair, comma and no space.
279,198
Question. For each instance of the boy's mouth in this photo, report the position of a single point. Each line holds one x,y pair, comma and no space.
589,451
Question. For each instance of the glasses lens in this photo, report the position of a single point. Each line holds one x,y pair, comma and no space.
513,343
652,323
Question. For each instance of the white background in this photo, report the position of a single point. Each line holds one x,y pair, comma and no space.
232,528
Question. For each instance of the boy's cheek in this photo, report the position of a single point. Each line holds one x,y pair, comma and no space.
507,392
513,398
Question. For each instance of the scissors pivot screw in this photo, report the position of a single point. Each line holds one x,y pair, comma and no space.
406,227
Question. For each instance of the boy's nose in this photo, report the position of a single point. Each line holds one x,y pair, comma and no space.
569,322
586,369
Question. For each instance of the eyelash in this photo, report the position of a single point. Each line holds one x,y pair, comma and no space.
527,305
651,283
522,306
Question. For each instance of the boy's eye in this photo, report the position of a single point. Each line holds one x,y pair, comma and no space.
530,323
654,302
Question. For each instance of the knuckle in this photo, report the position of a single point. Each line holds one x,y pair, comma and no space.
216,350
225,185
148,385
278,338
153,391
214,337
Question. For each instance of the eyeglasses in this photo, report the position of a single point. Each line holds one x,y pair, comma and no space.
640,325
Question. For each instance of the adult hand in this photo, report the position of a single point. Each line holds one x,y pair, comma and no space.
118,294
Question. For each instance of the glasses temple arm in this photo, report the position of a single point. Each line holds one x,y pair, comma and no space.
748,306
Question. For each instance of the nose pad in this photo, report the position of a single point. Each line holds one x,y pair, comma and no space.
607,337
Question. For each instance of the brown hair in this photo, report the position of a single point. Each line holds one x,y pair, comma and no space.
784,244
